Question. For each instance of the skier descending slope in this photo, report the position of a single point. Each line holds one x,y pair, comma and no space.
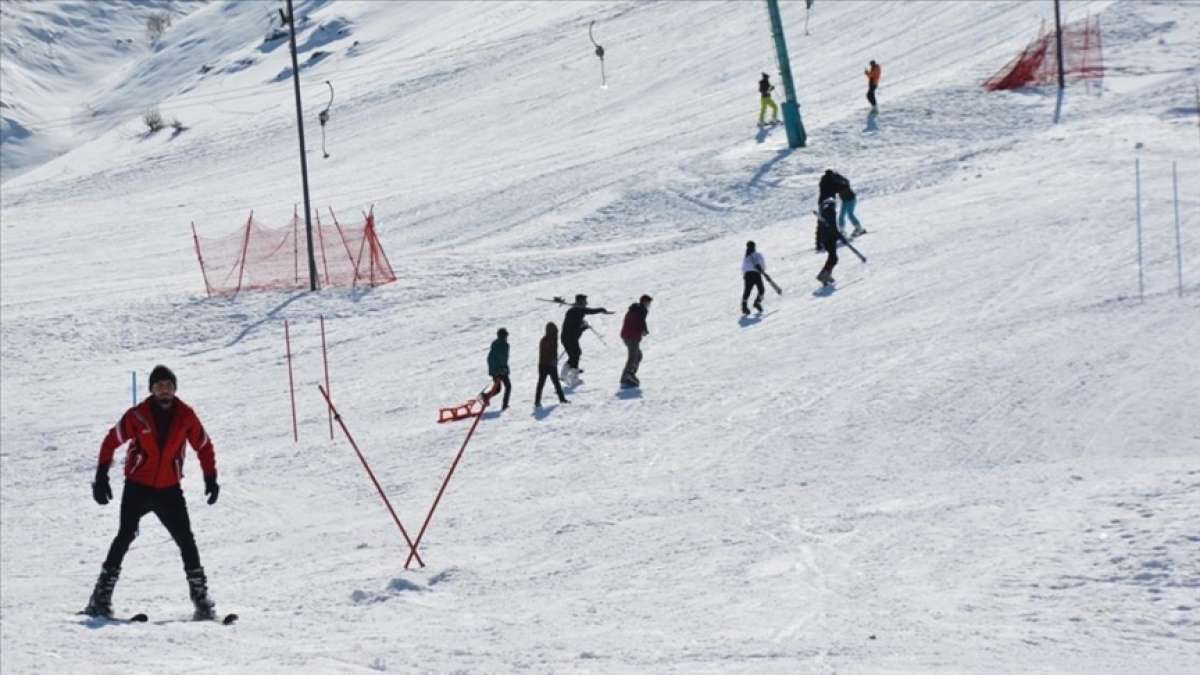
632,331
158,428
573,326
828,237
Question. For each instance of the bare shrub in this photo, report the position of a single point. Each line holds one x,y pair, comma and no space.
153,119
156,25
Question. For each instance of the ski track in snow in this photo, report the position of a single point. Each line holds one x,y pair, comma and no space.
977,454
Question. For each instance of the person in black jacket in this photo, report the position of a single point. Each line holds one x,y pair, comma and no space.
573,326
764,92
548,365
834,183
828,237
497,360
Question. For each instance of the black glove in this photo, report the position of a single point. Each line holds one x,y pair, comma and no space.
101,491
211,488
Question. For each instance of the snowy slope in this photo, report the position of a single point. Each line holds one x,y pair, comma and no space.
979,454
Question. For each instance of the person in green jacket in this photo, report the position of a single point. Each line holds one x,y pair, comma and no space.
498,366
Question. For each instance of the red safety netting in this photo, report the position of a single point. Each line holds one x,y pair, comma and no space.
1083,57
258,257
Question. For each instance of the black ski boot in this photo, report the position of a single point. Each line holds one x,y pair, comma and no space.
745,310
198,589
100,604
758,304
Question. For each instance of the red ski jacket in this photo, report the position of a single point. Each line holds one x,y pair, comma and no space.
148,464
634,327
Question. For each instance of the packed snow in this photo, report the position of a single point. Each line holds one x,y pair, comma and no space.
979,452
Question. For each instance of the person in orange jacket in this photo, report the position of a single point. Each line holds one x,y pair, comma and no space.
158,427
873,73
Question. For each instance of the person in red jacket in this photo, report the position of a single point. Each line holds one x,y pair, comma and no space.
158,428
632,332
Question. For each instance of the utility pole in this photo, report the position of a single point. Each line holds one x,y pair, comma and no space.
1058,39
791,109
312,260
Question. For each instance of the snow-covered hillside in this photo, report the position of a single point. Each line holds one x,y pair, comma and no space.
980,453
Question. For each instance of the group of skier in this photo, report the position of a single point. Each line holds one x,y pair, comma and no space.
160,425
574,324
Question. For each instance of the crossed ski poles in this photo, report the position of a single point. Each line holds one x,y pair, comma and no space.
453,465
412,546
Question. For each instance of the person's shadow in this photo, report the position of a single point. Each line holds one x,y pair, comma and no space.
542,412
872,121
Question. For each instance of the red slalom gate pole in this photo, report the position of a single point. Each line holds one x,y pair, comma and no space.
412,548
325,358
287,341
450,473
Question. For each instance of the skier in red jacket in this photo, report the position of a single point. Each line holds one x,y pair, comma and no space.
158,427
632,331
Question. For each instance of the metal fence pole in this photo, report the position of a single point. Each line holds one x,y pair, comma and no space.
1178,240
1141,282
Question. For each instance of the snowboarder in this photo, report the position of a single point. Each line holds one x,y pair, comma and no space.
632,331
753,267
764,91
873,73
548,364
827,239
158,428
573,326
497,360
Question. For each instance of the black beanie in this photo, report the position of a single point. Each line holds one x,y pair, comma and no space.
581,299
161,373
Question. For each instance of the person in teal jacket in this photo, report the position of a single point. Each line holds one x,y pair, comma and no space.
498,366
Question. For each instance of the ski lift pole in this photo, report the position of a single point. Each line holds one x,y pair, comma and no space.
791,109
323,117
599,54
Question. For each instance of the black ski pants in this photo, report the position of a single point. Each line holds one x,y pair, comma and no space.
831,259
871,94
571,345
551,372
752,281
634,357
170,507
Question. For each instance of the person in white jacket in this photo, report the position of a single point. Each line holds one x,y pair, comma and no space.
753,268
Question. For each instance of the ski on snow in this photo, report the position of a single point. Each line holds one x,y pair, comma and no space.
141,617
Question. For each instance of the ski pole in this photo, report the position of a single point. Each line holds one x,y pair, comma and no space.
851,247
774,285
598,336
844,239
